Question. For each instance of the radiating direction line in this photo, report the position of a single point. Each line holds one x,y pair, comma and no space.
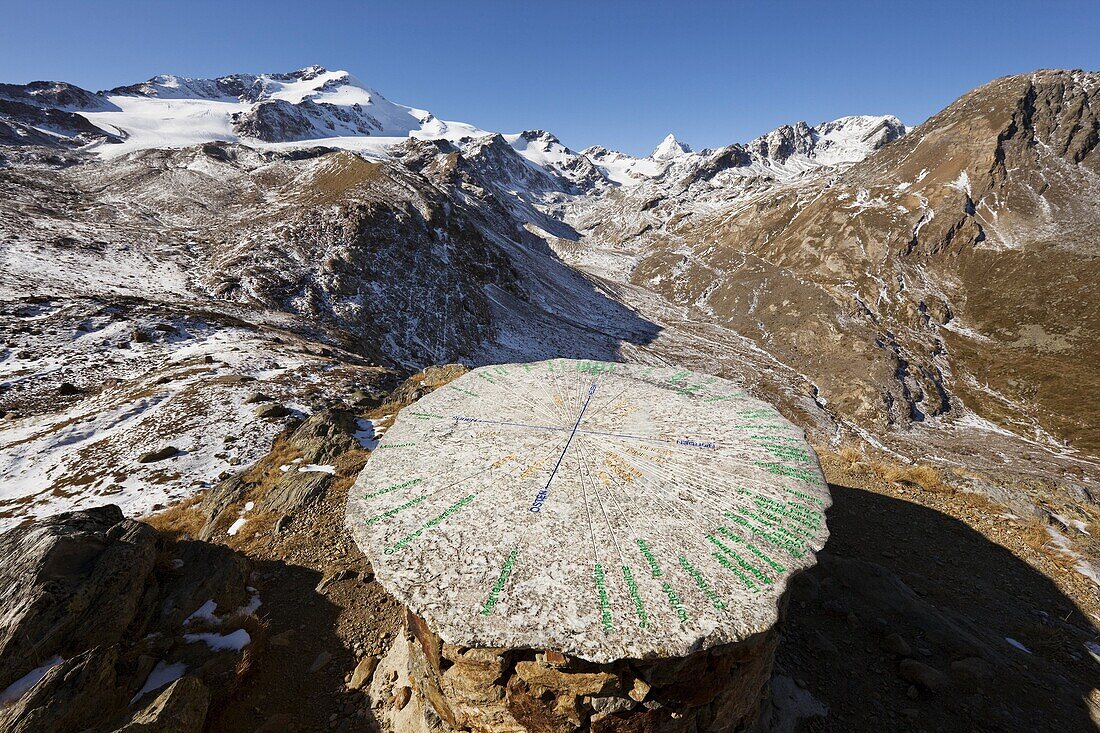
536,505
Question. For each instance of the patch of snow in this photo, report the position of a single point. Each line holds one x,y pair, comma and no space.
962,183
1013,643
241,520
1082,564
205,612
317,468
162,674
369,432
234,641
253,602
17,689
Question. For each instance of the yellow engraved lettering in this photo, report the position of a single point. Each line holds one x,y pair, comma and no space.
530,470
622,469
502,461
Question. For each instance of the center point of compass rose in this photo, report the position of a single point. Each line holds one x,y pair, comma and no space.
540,498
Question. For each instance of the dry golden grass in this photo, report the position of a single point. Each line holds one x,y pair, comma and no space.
266,470
920,475
179,521
351,463
258,631
1034,534
850,454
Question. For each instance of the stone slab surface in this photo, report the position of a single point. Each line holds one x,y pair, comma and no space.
603,510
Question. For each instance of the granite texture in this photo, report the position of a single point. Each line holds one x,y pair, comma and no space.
605,511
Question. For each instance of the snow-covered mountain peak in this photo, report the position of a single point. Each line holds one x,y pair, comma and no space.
853,138
310,104
312,82
670,148
844,140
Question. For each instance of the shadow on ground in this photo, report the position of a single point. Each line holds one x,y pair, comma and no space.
298,682
952,598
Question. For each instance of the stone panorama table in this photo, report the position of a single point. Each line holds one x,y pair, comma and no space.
602,510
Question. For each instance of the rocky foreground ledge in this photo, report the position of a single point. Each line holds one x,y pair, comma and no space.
110,626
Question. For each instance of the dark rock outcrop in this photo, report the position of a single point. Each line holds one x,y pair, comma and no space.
97,608
320,440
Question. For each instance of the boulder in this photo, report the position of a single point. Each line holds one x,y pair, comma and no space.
77,694
639,587
320,439
181,708
272,411
94,603
70,582
159,454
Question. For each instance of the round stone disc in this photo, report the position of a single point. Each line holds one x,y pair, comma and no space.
602,510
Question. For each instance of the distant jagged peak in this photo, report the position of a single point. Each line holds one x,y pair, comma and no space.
670,148
599,152
540,136
843,140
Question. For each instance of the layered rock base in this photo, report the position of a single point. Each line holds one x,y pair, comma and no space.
717,690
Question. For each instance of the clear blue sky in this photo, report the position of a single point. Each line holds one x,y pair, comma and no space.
620,74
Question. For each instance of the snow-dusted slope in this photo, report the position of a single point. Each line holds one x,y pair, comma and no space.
780,262
845,140
308,105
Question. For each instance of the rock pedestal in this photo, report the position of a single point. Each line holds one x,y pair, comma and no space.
586,544
493,690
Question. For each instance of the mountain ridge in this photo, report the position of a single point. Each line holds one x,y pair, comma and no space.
308,105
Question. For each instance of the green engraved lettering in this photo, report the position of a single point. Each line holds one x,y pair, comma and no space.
404,541
807,497
702,583
732,568
801,474
494,593
605,602
400,508
653,566
675,601
755,571
639,607
395,487
771,563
